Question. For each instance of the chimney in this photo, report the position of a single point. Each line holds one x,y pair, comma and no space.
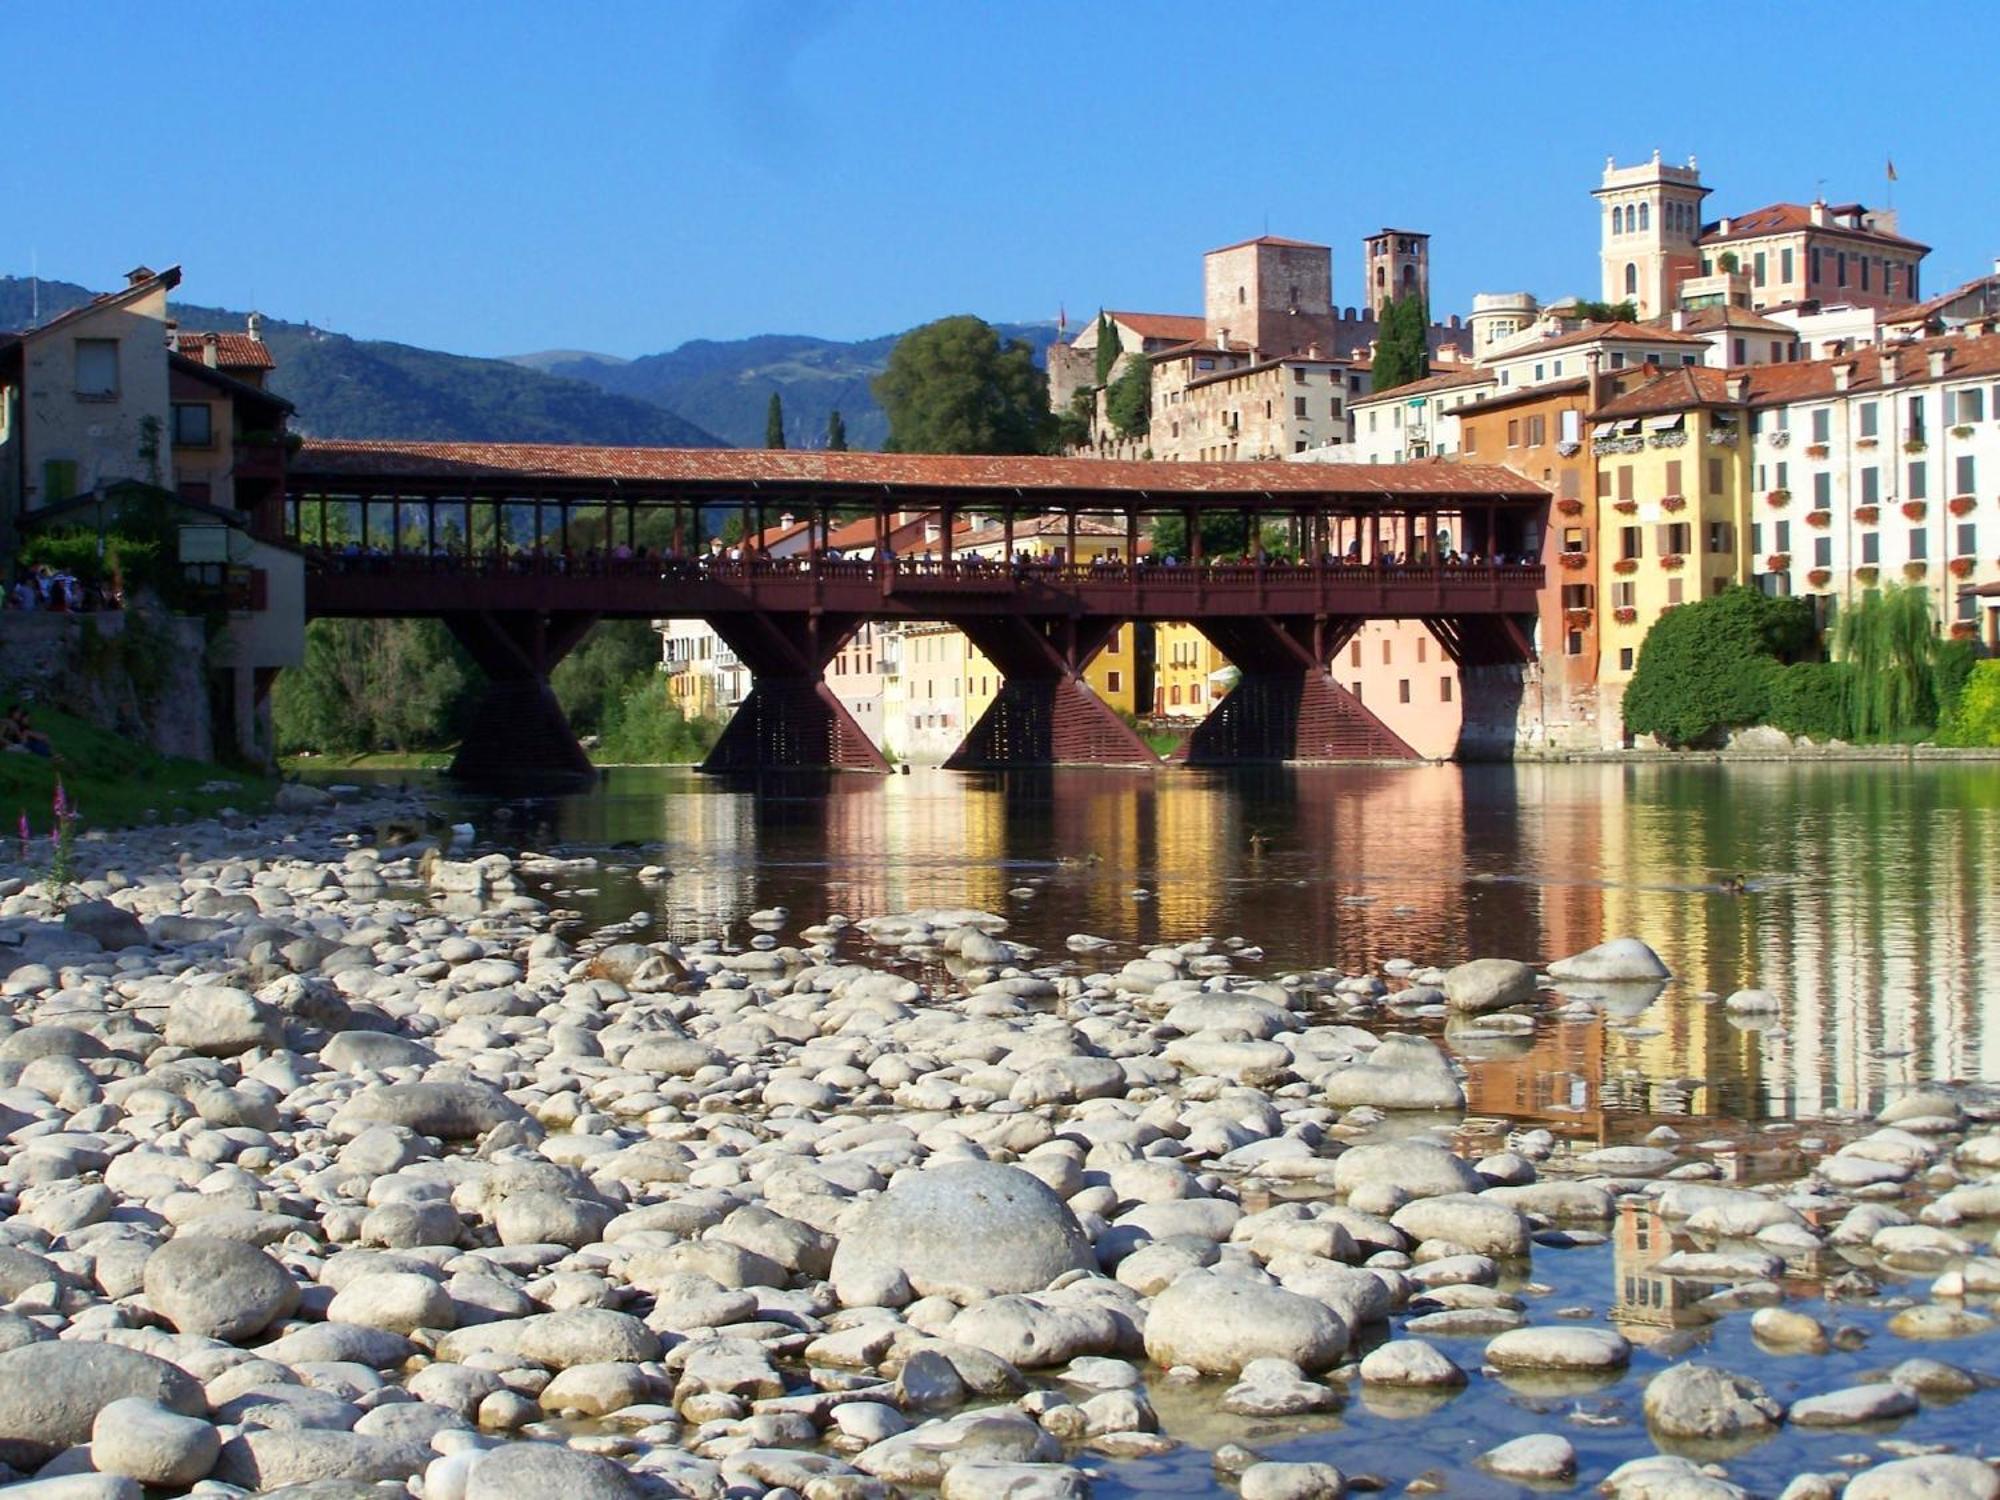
1819,214
1602,387
1678,321
1940,361
1832,349
255,323
1892,366
1739,388
1843,375
786,521
211,350
138,274
1722,226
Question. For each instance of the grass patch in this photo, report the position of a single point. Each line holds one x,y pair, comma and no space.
1164,742
369,760
116,781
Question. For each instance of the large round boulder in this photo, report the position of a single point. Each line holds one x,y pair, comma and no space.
1418,1168
452,1110
1219,1324
1702,1402
219,1289
1619,961
532,1471
51,1393
967,1231
1488,984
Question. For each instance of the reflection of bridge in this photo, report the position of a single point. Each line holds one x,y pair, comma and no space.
519,549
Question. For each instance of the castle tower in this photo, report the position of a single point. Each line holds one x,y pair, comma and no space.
1275,295
1651,217
1397,263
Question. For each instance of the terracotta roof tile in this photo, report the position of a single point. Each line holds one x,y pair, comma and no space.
715,471
233,351
1789,218
1444,380
1178,328
1272,239
1590,333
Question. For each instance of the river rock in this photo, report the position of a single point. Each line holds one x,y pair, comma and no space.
1410,1362
1700,1401
51,1393
574,1336
219,1289
1403,1073
1662,1476
1933,1476
400,1301
1292,1481
1417,1168
111,927
145,1441
450,1110
220,1022
1540,1456
1488,984
1581,1349
1619,961
979,1479
1465,1220
264,1458
1219,1324
967,1231
1853,1405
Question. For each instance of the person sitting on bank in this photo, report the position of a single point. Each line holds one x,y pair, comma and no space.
17,734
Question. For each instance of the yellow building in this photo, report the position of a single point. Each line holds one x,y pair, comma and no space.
1673,495
1189,674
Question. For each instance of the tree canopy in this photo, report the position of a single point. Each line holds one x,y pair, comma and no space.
774,422
836,431
1593,311
1129,402
1109,347
1891,649
1402,344
953,387
1709,667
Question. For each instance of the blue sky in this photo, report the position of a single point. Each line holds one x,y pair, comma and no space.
506,177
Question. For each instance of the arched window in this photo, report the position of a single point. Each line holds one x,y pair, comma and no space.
1644,215
1631,279
1409,278
1381,275
1617,221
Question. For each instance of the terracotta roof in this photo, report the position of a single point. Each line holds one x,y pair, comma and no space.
1198,346
233,351
783,473
1789,218
1272,239
1591,333
1676,390
1711,319
240,390
1179,328
1444,380
1975,358
1522,395
1923,312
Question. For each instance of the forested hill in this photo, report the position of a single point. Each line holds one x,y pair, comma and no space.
363,388
726,386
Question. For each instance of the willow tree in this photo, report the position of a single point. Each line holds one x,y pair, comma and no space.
1890,645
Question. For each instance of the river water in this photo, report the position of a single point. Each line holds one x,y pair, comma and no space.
1865,892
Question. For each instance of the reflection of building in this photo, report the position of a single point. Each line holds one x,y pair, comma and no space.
1647,1303
1554,1084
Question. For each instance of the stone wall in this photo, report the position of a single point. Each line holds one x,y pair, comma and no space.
142,675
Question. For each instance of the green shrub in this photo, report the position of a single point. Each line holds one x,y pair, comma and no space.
1808,698
646,727
1708,667
1974,718
1950,669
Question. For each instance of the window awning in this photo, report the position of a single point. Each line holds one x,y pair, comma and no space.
1628,427
1673,423
1603,429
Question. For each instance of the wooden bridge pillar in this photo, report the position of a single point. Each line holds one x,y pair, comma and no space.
518,732
1285,705
791,720
1046,714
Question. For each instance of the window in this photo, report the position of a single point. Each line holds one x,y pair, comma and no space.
58,480
1756,536
1966,470
1674,476
1514,433
1298,406
1298,376
1354,654
1675,593
1574,539
1971,404
1569,427
1470,442
1864,271
1968,538
1917,418
1538,431
1785,265
1387,646
1625,483
1629,545
1840,267
1868,419
1822,552
97,369
1673,537
1871,547
1539,377
1645,217
1822,424
1624,658
1113,681
1578,596
1919,544
1631,279
193,424
1919,485
1572,645
1757,269
1720,535
1624,595
1822,491
1403,690
1741,352
1715,476
1816,276
1871,486
1784,474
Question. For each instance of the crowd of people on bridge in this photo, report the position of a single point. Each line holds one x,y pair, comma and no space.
55,591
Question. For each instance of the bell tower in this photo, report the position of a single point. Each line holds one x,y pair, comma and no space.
1650,221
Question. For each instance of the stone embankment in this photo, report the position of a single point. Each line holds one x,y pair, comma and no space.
317,1186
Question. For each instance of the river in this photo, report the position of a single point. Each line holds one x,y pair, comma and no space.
1866,886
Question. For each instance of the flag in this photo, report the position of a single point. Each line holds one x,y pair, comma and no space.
1892,168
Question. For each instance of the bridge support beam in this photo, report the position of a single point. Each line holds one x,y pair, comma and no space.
1492,653
1046,714
1285,705
791,720
518,732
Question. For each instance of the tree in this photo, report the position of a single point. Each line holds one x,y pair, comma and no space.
1402,344
1109,347
1592,311
1710,666
592,679
1727,261
1129,402
774,422
1223,534
836,431
373,685
1890,647
952,387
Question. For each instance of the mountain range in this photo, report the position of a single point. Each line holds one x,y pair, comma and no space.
705,393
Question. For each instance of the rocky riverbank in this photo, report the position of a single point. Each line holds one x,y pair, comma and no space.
337,1166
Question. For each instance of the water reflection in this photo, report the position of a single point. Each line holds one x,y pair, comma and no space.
1866,889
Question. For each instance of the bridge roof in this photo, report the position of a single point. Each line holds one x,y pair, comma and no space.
706,472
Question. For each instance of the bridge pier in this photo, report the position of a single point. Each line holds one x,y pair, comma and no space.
791,719
1046,714
1286,706
1492,653
518,731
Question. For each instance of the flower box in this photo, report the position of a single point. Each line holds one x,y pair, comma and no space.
1778,562
1778,438
1626,507
1867,442
1961,567
1961,505
1817,450
1915,569
1915,445
1625,615
1673,502
1626,565
1819,519
1672,562
1778,499
1961,431
1819,578
1866,576
1576,619
1576,562
1570,507
1867,515
1914,510
1964,630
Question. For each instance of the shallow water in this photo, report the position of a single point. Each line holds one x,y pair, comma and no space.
1868,886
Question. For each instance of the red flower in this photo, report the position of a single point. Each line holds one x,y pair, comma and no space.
1625,615
1819,578
1626,565
1778,562
1778,499
1867,515
1961,505
1672,561
1819,518
1961,567
1913,510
